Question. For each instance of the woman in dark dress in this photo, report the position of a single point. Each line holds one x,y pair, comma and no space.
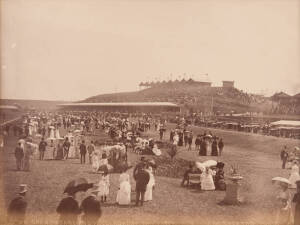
180,143
203,148
214,148
60,151
296,200
220,178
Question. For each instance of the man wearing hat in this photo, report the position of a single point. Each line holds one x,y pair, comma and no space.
66,147
143,161
142,179
91,208
82,152
17,207
284,156
42,148
19,154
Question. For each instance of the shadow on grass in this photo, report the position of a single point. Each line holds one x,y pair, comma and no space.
15,170
110,204
196,191
126,206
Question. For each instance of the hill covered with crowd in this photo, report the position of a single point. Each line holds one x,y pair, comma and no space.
194,98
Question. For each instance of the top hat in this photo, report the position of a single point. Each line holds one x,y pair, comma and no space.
22,188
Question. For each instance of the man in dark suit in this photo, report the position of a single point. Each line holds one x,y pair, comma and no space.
91,208
284,156
66,147
42,148
82,152
17,207
19,154
142,178
69,210
141,163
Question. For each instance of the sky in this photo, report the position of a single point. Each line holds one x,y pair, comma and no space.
73,49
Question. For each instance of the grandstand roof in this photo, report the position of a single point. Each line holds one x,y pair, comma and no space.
122,104
286,123
8,107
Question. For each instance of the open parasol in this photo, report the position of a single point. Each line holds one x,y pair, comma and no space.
79,184
210,163
200,166
280,180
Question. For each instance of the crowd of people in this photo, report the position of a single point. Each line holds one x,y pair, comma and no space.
39,136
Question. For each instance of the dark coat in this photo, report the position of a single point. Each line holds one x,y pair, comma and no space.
19,153
142,179
221,144
296,200
203,149
284,155
66,145
68,209
82,149
91,208
197,141
17,209
42,146
214,148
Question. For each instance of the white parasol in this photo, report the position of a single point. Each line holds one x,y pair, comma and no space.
280,180
200,166
210,163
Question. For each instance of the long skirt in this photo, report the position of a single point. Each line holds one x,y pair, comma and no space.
124,194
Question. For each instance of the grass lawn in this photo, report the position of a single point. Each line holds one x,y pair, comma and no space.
257,158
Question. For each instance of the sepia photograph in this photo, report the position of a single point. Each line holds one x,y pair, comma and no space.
145,112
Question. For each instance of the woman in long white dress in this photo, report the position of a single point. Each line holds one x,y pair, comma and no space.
52,136
124,193
72,153
206,179
57,135
95,161
294,176
150,185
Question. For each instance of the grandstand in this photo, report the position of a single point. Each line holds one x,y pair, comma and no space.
155,107
194,96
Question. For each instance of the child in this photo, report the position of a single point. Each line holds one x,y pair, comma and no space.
186,175
104,186
284,212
